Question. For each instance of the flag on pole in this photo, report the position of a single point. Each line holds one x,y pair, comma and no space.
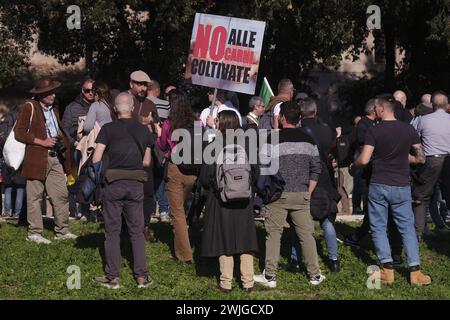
266,92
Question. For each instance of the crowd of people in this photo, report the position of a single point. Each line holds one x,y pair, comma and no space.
110,158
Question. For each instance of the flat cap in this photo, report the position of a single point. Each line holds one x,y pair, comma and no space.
140,76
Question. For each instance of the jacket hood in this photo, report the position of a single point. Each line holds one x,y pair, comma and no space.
79,99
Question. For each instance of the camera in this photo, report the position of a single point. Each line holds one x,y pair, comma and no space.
59,146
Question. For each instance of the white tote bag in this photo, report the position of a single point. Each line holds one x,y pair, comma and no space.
14,151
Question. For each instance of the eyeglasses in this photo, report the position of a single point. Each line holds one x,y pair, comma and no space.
88,90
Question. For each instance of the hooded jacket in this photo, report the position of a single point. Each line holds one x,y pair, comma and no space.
77,108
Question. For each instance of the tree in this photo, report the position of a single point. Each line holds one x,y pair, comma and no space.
117,37
421,28
15,39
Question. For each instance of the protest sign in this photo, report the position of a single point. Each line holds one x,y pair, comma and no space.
225,52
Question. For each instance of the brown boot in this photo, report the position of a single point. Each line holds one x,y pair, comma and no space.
149,235
387,276
417,278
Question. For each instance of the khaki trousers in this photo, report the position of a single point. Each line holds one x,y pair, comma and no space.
55,185
226,270
178,187
297,205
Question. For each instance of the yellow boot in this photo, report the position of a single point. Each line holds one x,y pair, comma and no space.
387,276
417,278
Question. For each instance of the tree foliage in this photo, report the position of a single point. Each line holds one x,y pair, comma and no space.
119,36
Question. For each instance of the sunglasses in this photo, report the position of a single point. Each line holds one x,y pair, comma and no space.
88,90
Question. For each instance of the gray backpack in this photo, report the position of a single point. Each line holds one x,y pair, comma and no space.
233,174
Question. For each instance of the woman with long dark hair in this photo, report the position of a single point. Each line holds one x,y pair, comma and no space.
179,179
229,227
102,110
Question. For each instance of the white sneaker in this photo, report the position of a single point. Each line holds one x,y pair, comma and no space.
261,278
317,279
153,219
37,238
67,236
164,217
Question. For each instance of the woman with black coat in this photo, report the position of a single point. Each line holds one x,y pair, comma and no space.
229,227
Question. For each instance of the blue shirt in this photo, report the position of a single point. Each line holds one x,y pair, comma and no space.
434,131
51,123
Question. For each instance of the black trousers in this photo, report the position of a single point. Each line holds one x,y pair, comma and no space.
435,169
124,197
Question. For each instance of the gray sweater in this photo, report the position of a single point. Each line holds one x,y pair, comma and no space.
98,112
299,160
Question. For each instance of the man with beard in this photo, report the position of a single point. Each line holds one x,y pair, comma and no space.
144,108
146,113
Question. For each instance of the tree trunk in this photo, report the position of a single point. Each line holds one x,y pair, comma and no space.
389,73
89,64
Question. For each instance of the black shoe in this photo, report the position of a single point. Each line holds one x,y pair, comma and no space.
150,235
292,267
335,266
92,217
223,289
397,263
248,290
352,240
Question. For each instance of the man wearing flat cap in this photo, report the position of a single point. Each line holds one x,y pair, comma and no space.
143,108
47,160
145,112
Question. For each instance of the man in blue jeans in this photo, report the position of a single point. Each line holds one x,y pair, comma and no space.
390,143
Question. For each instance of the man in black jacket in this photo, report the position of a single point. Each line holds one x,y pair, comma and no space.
79,107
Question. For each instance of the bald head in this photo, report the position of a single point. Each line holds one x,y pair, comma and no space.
286,87
439,101
426,98
124,103
400,96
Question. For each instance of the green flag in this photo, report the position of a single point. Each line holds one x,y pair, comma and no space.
266,92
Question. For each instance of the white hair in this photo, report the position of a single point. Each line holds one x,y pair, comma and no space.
124,102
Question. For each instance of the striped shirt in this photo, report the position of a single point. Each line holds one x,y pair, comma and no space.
299,159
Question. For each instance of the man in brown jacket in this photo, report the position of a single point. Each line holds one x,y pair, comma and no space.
47,160
145,111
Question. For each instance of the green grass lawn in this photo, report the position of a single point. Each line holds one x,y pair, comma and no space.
31,271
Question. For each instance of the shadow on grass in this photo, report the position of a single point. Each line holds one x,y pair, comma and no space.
164,234
97,241
366,245
206,267
439,244
288,236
